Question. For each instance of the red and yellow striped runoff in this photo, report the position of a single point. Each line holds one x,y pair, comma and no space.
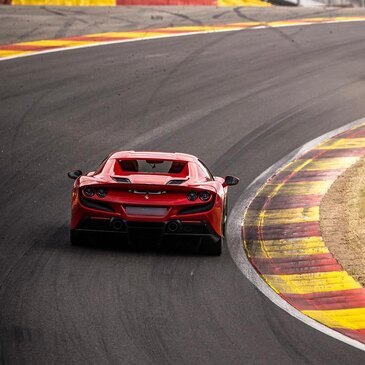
282,236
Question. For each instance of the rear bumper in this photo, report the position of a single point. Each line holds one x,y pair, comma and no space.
211,217
120,230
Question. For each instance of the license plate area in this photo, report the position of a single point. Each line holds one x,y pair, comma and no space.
146,211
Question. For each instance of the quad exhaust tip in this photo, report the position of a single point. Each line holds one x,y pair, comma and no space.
173,226
117,224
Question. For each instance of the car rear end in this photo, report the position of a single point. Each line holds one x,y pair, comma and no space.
139,205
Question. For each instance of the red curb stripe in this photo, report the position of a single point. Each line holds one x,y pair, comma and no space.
286,202
353,133
21,47
328,304
304,176
282,231
358,335
327,294
293,265
343,299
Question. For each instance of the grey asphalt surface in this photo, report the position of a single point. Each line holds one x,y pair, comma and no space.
240,101
27,23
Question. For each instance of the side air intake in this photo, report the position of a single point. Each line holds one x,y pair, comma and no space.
121,179
175,182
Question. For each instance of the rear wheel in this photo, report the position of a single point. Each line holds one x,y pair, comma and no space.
77,239
213,248
225,217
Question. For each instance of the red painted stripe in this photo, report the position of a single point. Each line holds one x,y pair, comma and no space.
353,133
303,176
286,202
358,335
341,152
167,2
295,265
342,299
282,231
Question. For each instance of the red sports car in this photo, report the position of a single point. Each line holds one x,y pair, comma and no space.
151,195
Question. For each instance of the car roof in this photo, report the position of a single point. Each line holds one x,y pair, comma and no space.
145,155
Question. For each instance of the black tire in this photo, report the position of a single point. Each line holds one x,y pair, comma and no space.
224,223
212,248
76,239
216,248
224,218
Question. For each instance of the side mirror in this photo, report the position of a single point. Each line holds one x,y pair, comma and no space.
74,174
231,180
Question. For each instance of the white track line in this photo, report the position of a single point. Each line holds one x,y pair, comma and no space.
235,244
181,35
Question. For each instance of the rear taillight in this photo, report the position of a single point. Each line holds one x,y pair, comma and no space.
101,193
89,192
204,196
192,195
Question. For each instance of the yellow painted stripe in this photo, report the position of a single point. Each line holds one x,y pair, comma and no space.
312,283
264,252
342,143
9,53
197,28
323,164
290,243
286,248
299,188
282,216
139,34
65,2
353,318
54,43
256,3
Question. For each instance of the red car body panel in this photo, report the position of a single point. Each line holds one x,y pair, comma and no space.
131,194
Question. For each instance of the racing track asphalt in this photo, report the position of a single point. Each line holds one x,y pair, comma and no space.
241,101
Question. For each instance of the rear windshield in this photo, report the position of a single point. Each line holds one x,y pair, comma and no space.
153,166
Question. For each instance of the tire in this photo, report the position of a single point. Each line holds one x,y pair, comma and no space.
216,248
225,217
76,239
212,248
